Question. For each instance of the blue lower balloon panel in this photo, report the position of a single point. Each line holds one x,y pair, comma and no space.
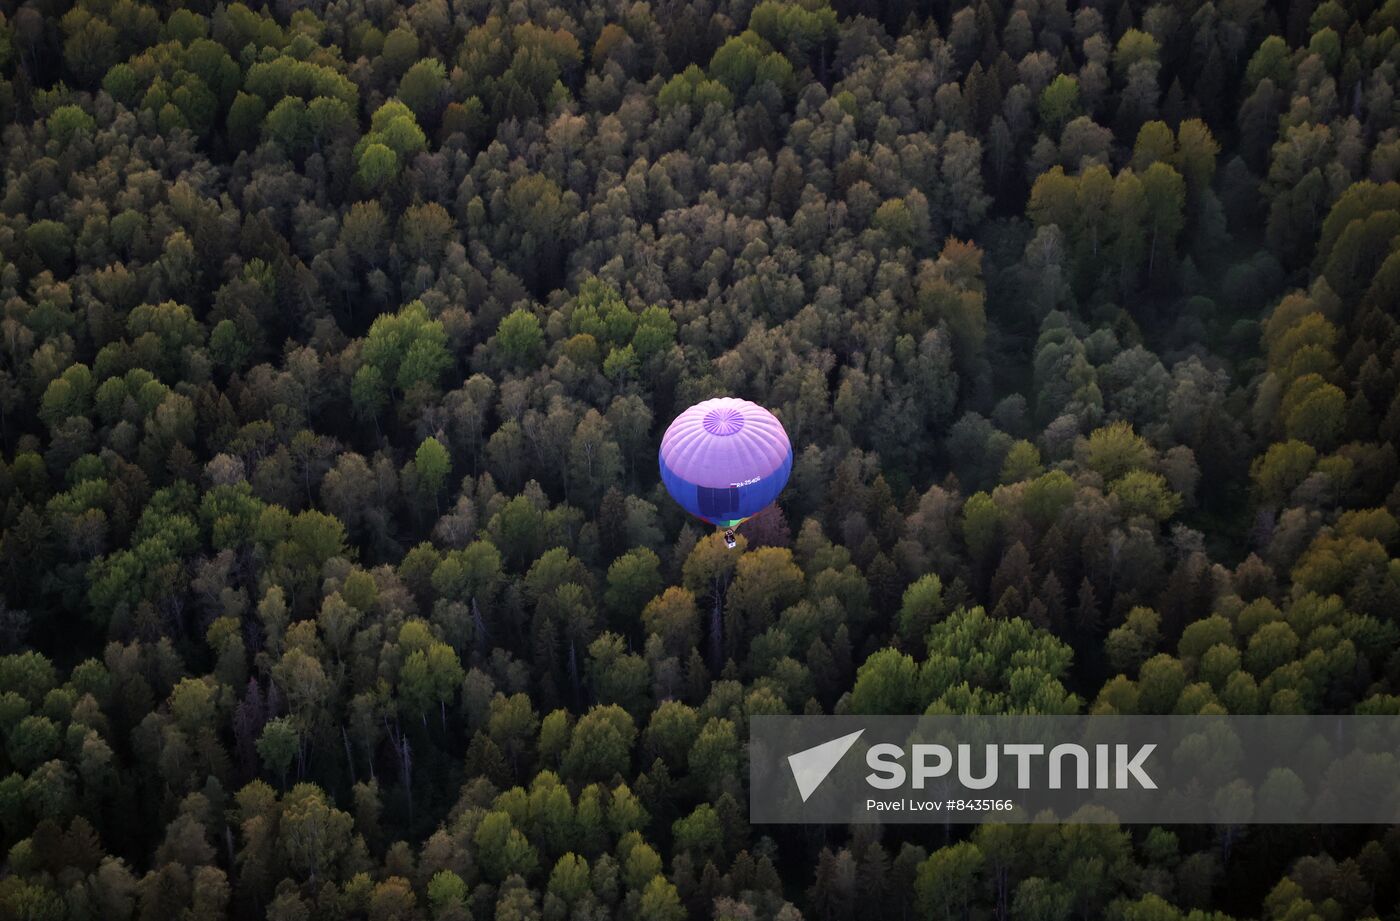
726,506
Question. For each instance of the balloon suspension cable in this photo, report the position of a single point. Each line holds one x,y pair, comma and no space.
730,541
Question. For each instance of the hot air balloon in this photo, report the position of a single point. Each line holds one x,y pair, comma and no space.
725,460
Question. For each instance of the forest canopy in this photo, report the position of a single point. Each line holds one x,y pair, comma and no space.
337,338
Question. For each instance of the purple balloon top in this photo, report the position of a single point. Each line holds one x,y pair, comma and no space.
724,442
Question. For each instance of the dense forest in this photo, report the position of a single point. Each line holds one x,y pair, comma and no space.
337,580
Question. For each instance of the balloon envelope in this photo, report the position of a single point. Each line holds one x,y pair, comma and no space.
725,459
